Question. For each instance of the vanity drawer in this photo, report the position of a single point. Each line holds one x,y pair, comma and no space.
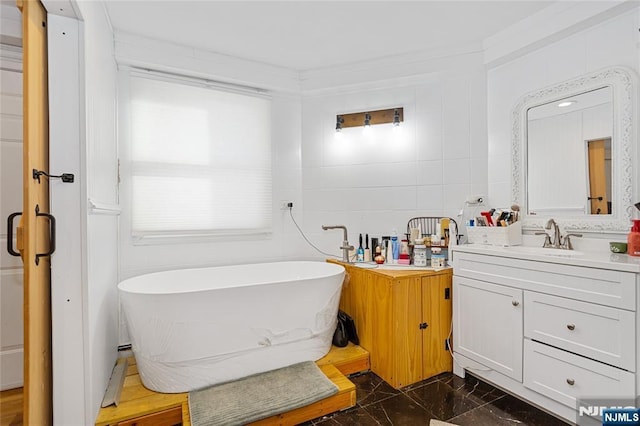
565,377
604,287
598,332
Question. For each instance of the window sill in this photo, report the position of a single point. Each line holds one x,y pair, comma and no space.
200,237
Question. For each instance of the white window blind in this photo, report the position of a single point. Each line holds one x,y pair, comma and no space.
200,160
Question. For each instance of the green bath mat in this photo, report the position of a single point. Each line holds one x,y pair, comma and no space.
262,395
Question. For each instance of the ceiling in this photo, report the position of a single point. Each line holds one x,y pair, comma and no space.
307,35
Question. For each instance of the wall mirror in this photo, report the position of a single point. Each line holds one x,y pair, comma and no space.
572,153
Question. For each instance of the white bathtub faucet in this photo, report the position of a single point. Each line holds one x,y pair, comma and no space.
345,243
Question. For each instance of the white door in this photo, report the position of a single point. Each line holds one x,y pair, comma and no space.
488,325
11,270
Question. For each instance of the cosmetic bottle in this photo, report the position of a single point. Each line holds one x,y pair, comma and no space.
379,257
389,255
453,235
395,247
633,239
360,252
367,250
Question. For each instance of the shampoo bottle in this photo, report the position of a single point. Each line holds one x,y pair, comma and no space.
395,246
633,239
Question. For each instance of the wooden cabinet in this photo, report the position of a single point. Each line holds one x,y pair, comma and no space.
403,319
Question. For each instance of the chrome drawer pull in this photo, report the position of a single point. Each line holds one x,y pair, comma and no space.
515,302
571,327
571,382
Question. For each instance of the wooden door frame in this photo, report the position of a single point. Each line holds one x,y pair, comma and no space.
590,179
37,407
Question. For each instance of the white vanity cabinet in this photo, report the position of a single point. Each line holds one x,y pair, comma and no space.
551,330
494,337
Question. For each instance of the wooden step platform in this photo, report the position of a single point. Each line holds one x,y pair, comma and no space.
141,407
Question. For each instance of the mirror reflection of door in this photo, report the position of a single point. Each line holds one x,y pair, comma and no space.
599,169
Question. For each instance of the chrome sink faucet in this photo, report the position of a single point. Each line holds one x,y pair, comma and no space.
345,243
557,238
559,241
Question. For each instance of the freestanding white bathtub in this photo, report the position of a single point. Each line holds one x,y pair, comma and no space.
194,328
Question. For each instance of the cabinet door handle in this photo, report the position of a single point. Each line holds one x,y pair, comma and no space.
571,327
571,382
515,302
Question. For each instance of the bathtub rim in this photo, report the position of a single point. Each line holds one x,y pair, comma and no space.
128,285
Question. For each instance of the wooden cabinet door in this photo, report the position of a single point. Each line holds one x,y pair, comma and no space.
488,325
405,344
363,317
436,313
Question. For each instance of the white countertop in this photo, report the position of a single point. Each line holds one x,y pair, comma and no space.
592,259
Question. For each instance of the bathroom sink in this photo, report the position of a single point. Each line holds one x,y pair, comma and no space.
545,251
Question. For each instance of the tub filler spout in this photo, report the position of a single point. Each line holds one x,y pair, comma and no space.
345,242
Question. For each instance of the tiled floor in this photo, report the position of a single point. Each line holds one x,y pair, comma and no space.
446,397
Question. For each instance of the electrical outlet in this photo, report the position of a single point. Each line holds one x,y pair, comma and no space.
286,205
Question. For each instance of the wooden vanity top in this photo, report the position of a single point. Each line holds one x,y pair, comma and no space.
397,273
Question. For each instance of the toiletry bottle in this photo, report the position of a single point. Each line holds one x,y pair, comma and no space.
367,250
633,239
395,246
379,257
389,255
453,235
360,252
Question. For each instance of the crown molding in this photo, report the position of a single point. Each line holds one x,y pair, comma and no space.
549,25
143,52
390,71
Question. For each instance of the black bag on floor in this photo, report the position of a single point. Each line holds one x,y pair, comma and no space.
340,338
345,331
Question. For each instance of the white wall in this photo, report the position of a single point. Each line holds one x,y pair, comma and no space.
374,183
609,43
100,173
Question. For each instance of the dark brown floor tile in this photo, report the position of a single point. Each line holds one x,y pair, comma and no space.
442,400
514,411
425,382
519,410
370,389
481,416
352,416
475,389
398,411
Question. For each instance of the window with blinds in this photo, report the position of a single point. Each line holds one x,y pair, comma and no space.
200,159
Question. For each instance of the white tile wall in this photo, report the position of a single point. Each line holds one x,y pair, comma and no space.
373,183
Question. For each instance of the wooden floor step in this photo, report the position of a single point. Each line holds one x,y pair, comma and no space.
349,360
345,398
141,406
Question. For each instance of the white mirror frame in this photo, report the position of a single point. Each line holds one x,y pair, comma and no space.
622,82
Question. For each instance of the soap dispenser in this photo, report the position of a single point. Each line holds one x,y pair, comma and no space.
633,239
